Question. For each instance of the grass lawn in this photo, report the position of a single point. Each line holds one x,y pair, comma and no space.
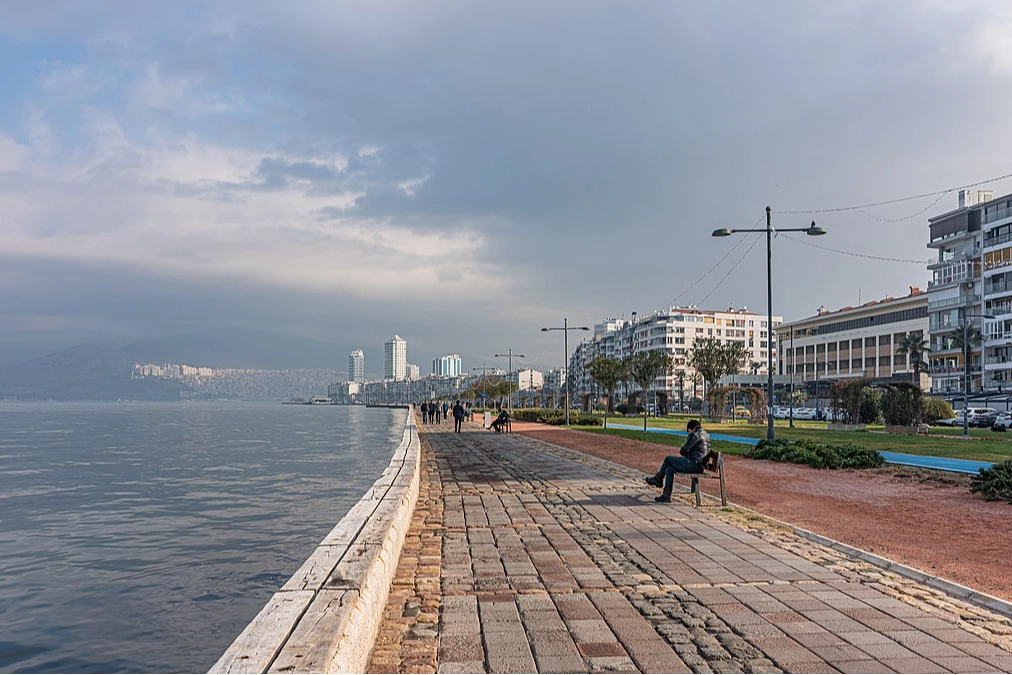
984,445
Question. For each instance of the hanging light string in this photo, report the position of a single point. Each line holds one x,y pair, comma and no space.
695,283
851,253
733,268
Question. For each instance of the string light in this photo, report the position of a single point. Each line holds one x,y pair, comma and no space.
851,253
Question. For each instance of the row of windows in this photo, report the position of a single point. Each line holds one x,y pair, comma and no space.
866,322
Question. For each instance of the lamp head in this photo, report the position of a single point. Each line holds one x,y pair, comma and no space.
722,232
814,230
544,330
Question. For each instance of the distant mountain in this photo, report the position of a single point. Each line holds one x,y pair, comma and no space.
242,349
85,372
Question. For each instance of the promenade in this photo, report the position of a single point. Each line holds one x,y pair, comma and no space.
526,557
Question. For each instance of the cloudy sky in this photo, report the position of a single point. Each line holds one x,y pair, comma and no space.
464,173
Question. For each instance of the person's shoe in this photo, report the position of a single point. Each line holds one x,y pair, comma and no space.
664,498
651,480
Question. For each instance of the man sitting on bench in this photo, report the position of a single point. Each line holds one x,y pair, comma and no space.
501,421
692,460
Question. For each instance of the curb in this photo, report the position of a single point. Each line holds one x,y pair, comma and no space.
327,615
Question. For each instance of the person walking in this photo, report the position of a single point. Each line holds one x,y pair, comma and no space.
425,412
692,460
458,416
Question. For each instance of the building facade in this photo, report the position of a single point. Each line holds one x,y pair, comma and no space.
675,330
447,366
854,341
395,359
971,288
356,366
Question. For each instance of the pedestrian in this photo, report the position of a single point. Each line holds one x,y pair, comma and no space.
425,412
692,460
446,410
458,416
439,412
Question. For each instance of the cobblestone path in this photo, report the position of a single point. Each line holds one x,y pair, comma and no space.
526,557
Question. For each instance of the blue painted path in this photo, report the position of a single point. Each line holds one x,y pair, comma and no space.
939,463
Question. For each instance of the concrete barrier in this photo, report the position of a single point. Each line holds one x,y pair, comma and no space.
326,617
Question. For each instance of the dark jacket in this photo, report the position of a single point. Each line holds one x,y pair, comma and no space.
697,446
458,412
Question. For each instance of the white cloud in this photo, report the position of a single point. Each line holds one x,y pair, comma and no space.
12,154
155,90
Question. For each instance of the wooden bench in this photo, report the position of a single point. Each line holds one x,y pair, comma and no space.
713,469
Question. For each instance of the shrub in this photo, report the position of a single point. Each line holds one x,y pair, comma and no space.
586,420
540,415
902,404
871,407
622,409
818,455
995,483
937,409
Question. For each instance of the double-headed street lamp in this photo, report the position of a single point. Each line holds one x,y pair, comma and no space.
565,330
812,230
509,354
966,367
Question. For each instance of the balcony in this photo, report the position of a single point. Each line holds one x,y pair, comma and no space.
949,257
953,370
954,273
998,363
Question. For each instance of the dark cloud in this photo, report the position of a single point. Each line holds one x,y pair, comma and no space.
592,146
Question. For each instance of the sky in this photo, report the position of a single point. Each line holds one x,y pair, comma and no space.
465,173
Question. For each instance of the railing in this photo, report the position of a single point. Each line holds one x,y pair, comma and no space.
961,301
999,308
997,241
997,288
954,276
994,213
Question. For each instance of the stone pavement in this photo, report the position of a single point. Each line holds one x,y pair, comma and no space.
526,557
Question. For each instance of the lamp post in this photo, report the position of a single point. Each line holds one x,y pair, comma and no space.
812,230
565,328
484,384
966,367
509,354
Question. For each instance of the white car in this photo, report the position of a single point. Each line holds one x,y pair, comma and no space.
1002,422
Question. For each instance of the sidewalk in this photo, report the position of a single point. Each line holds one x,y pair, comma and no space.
524,557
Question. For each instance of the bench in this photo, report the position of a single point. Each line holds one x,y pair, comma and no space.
713,469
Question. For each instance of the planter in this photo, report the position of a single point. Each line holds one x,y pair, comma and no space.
919,429
839,426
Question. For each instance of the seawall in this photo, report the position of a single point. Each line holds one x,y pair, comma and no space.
325,618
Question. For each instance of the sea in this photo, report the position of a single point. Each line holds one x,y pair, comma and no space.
143,537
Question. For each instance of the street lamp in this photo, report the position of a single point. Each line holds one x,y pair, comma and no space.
565,331
509,353
812,230
966,367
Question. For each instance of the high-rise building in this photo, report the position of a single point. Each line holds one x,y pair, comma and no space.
411,373
356,366
970,293
446,366
395,359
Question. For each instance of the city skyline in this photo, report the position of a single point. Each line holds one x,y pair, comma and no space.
357,170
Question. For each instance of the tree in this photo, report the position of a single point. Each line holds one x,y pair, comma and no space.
714,359
608,373
973,339
755,366
645,367
915,345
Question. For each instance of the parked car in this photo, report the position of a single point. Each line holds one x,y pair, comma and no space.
976,417
1002,421
742,411
949,422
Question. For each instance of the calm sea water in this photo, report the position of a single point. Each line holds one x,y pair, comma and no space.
144,537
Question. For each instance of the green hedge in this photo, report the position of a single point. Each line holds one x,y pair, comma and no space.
995,483
556,417
818,455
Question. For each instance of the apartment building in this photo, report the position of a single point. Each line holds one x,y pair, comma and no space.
395,359
972,283
356,366
676,330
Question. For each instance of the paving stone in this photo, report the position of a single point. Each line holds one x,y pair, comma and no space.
534,558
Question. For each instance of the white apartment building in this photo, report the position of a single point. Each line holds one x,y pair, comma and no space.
411,372
356,366
527,379
676,330
854,341
971,282
395,359
447,366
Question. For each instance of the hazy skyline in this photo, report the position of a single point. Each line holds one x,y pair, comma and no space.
462,174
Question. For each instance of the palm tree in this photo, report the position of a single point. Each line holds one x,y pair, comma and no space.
755,366
915,345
